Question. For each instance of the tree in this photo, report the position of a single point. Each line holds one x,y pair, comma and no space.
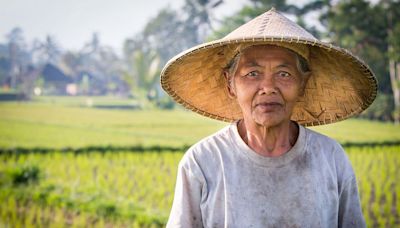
393,32
4,65
371,32
168,33
147,67
95,64
48,51
172,31
198,19
257,7
19,57
164,34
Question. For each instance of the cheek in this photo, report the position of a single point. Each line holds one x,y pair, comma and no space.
291,91
244,94
290,96
242,97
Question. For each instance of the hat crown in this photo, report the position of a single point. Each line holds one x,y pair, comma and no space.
340,85
270,24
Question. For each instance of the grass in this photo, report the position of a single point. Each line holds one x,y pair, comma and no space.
118,184
86,101
119,188
358,130
53,123
128,188
44,125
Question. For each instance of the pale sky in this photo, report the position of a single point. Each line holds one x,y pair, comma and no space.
72,22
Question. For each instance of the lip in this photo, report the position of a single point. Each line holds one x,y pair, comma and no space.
268,106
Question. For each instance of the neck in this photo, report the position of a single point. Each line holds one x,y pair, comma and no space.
269,141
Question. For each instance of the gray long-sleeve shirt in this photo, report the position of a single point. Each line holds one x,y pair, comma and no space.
223,183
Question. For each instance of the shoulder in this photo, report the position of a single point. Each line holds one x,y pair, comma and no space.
332,153
218,140
316,139
322,144
208,148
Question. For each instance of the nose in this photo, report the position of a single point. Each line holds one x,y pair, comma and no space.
267,85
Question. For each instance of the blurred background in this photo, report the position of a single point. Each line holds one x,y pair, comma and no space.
89,139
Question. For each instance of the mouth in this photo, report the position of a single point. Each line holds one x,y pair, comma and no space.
268,106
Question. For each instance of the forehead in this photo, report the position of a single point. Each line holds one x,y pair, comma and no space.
270,53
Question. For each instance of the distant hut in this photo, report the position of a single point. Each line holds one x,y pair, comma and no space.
55,81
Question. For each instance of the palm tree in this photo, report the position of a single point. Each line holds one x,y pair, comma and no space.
145,73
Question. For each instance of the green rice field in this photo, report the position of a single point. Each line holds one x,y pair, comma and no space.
67,162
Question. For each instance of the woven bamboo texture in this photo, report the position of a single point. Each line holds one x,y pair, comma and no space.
340,86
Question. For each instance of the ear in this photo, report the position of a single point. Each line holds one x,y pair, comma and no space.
229,85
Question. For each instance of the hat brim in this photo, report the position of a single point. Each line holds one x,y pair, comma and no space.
340,85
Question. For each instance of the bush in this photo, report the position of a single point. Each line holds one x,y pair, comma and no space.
381,109
106,209
25,175
165,103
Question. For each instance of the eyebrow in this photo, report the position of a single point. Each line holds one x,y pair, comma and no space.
284,65
254,63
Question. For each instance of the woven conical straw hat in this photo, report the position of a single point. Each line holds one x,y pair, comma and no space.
340,85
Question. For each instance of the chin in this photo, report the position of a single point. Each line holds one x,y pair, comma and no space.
268,122
269,119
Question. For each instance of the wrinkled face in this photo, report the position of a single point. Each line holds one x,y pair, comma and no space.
267,84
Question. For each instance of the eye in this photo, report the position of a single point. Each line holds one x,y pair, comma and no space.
284,74
252,74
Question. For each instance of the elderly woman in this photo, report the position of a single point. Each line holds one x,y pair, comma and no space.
269,78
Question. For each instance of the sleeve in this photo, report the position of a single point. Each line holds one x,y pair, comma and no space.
350,214
190,184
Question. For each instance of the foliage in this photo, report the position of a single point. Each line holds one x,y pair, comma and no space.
161,34
364,33
96,69
129,188
172,31
381,108
22,63
232,22
72,123
257,7
370,31
391,9
144,75
106,168
115,186
46,52
367,29
165,35
377,171
360,131
24,175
